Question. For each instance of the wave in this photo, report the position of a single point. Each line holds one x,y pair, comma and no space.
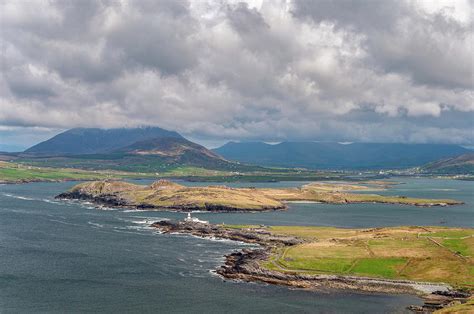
19,197
101,207
143,222
128,231
50,201
139,228
194,274
95,224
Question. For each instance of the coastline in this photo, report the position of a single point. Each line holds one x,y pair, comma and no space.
245,265
168,195
113,201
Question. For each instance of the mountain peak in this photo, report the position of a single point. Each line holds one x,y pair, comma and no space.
79,141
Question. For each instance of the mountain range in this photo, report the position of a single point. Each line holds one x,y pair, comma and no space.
155,149
147,149
330,155
96,141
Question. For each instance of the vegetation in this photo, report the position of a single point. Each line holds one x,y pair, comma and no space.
414,253
465,308
463,164
338,194
17,173
165,194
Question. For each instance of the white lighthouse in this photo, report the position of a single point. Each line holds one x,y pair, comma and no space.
194,219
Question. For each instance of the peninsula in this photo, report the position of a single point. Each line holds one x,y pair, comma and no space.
432,262
167,195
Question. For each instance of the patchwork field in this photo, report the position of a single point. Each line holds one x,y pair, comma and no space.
416,253
18,173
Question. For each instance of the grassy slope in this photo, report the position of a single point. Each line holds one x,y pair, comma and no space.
230,172
466,308
166,194
170,195
463,164
338,193
11,173
86,169
398,252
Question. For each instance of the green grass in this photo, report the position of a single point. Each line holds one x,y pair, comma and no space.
378,267
11,172
332,265
392,252
458,245
465,308
449,234
239,226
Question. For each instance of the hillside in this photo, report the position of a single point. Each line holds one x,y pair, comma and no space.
175,150
149,150
163,195
96,141
320,155
463,164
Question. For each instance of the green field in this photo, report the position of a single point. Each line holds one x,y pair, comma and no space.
17,173
415,253
78,170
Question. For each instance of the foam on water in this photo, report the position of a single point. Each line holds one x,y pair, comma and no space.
19,197
95,224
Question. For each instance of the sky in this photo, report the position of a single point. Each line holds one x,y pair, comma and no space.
356,71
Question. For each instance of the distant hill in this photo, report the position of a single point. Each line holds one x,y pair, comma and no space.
320,155
463,164
177,150
96,141
149,149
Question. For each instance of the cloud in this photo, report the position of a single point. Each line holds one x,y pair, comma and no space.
277,70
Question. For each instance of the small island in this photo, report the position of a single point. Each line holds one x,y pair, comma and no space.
433,262
168,195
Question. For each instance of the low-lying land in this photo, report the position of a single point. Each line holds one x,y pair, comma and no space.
432,254
430,261
22,170
18,173
169,195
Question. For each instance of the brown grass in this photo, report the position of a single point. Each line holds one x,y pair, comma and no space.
396,252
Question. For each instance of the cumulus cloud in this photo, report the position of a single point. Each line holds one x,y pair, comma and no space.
396,71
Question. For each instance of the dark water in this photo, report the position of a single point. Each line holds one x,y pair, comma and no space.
68,257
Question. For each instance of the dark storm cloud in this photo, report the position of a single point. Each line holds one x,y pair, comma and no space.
314,70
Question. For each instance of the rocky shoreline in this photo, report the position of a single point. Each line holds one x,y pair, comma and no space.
112,200
168,195
245,265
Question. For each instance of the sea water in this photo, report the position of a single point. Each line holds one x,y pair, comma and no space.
58,256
